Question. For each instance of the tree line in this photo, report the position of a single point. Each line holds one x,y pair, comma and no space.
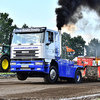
76,43
6,27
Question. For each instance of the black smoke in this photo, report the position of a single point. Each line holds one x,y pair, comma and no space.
70,7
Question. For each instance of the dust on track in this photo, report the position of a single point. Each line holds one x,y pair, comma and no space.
36,88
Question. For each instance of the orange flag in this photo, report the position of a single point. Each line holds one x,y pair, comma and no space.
69,49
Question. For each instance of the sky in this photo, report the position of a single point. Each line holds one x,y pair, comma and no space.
31,12
41,13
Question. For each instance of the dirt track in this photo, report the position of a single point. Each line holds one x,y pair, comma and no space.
36,89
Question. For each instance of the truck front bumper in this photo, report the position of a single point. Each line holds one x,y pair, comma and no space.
29,66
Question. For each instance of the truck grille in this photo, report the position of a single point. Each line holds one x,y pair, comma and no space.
25,54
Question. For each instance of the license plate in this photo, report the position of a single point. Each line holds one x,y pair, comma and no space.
24,68
25,51
24,65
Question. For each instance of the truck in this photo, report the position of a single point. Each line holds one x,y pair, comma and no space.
91,66
4,58
36,52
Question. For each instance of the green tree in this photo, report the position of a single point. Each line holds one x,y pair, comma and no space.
6,27
93,48
24,26
77,43
65,39
65,42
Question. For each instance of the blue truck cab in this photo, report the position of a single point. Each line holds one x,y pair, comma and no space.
36,52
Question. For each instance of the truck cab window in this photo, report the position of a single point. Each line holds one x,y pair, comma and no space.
50,36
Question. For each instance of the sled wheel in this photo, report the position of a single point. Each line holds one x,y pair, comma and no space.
5,64
52,77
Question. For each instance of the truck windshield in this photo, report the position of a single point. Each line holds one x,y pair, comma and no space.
23,38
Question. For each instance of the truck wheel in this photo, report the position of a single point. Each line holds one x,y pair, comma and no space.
5,64
78,77
22,76
52,77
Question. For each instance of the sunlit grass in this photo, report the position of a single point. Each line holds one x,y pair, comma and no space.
6,73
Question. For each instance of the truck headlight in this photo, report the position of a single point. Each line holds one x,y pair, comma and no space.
38,63
12,68
12,63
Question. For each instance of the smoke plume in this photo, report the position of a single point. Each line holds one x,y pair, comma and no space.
68,8
70,28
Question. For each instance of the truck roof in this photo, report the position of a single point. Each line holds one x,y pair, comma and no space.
32,29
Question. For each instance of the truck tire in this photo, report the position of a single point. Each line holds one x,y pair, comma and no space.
5,64
78,77
52,77
22,76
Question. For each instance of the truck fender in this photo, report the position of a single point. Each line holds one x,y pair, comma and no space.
79,67
54,63
4,55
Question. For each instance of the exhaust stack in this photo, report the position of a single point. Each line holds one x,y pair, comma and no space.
60,41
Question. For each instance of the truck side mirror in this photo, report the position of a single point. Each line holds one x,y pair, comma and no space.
47,44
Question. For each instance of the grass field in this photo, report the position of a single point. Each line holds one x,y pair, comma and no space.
6,73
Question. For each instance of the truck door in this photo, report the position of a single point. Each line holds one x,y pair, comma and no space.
49,45
57,46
